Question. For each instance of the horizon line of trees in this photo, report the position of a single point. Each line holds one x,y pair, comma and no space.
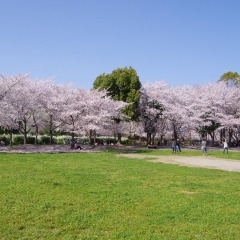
120,105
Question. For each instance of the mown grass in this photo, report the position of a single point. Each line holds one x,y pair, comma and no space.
232,154
105,196
185,152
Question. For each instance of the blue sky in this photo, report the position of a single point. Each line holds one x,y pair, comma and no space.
182,42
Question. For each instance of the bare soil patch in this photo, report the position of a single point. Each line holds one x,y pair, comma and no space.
201,161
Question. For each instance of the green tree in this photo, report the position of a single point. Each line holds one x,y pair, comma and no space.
122,85
209,129
231,78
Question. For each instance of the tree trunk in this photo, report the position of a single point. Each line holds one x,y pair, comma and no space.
72,141
36,135
149,138
230,134
212,135
119,136
222,134
94,139
36,138
175,135
153,137
90,136
51,136
24,132
11,135
50,129
161,139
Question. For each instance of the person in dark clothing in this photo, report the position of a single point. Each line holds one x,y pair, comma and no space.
174,146
178,143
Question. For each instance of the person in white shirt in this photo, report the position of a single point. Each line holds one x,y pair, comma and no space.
225,145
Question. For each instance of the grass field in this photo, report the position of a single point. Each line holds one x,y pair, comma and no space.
104,196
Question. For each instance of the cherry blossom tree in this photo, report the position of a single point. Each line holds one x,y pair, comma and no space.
8,87
8,117
8,84
40,92
31,106
160,106
226,104
50,102
213,107
73,108
190,108
25,105
22,109
86,111
101,112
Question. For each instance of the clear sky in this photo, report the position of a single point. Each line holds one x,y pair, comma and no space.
182,42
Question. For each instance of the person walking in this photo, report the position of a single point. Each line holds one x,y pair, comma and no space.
225,145
174,146
204,146
178,143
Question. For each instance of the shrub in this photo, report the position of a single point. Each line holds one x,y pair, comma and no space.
58,140
44,140
30,140
18,140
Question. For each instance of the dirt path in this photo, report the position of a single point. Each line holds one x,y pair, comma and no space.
202,161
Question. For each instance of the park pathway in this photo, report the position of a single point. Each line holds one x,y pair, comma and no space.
201,161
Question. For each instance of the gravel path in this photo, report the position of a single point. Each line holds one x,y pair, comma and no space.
201,161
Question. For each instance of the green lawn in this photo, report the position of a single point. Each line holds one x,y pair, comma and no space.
104,196
232,154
